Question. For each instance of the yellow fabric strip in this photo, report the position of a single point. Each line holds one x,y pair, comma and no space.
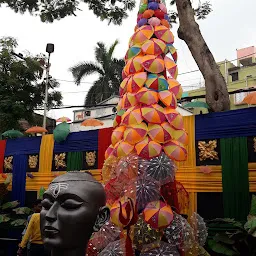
46,154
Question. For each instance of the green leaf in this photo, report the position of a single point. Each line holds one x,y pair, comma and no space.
19,222
224,238
250,226
22,210
227,221
221,248
10,205
4,218
253,206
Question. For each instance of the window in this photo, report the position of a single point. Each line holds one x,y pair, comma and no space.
234,76
87,113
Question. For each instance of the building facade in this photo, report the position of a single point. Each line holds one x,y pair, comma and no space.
238,74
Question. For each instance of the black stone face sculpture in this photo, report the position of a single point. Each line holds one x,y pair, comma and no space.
73,208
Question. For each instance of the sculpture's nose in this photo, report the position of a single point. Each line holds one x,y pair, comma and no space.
51,215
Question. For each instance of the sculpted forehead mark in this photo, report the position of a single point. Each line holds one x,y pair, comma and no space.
56,188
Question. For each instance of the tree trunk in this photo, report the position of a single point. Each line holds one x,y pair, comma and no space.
217,95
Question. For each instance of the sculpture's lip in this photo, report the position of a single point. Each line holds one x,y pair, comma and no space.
51,230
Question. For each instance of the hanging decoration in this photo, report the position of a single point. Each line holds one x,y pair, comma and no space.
149,136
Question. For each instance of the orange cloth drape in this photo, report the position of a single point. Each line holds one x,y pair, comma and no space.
186,173
46,154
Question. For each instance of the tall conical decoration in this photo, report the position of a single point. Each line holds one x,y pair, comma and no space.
139,169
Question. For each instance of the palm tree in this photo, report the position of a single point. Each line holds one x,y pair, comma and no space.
109,70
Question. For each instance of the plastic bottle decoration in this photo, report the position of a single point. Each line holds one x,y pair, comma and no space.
149,136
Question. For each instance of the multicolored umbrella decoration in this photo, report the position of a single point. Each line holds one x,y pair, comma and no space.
165,23
162,169
156,82
153,64
171,67
109,151
150,139
122,148
168,98
180,136
164,34
117,135
162,7
115,248
132,116
153,114
146,96
128,100
142,34
175,151
148,148
158,214
154,46
134,65
122,212
164,249
175,87
160,14
135,133
123,86
136,82
128,166
145,189
145,236
157,133
148,14
154,21
174,118
172,50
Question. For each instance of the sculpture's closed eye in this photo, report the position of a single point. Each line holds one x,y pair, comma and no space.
71,204
47,204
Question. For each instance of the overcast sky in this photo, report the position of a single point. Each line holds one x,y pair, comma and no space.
230,26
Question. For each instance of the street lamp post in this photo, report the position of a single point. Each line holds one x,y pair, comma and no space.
49,50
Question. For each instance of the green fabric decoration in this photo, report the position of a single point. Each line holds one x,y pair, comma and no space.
235,180
12,134
75,161
41,192
253,206
61,132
